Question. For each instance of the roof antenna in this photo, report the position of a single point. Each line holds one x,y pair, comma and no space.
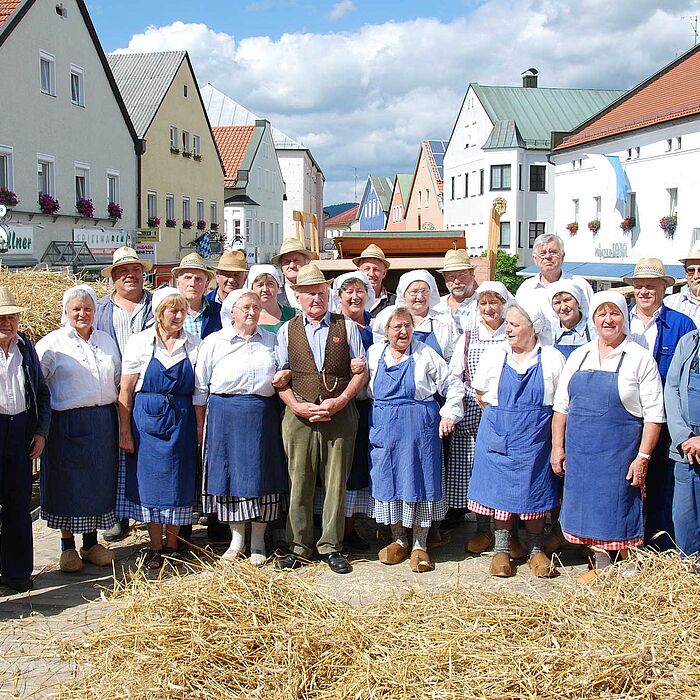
694,24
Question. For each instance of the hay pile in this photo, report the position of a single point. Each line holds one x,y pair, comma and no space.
235,632
42,291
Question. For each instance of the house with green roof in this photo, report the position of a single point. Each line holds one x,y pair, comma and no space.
396,221
498,148
374,204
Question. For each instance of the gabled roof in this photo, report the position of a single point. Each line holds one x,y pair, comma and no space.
383,186
233,143
504,134
343,218
404,182
671,93
7,7
435,153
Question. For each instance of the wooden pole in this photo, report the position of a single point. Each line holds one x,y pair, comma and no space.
498,208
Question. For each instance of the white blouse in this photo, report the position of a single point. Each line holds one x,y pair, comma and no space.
488,372
638,381
13,398
228,363
79,373
431,375
140,349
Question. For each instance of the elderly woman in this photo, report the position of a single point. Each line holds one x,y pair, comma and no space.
245,473
265,281
608,416
571,328
406,428
157,424
516,384
418,292
78,482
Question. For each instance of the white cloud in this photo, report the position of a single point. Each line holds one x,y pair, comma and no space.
340,9
365,99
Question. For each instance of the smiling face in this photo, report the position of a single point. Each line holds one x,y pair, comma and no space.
353,296
566,307
460,283
80,312
692,272
610,323
648,293
418,298
290,264
375,271
519,332
170,315
266,287
9,325
490,307
399,330
128,279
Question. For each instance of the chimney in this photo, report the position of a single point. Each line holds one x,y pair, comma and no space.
530,78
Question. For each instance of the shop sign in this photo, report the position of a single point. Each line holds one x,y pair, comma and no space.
101,242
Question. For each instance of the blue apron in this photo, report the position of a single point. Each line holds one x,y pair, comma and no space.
513,444
244,446
566,350
602,440
430,339
366,332
405,447
161,473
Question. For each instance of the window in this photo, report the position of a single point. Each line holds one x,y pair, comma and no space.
596,204
6,170
520,176
419,223
576,209
504,235
236,229
185,141
82,181
535,228
520,234
170,206
452,188
538,178
77,86
669,144
184,90
196,145
481,181
466,184
629,154
47,72
173,138
248,229
427,198
213,215
672,200
45,175
112,187
420,198
500,177
678,143
152,204
631,206
186,213
200,209
277,234
262,231
637,151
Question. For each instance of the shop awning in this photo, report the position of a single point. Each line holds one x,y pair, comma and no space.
605,272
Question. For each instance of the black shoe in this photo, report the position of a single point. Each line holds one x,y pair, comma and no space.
453,519
353,540
21,585
337,563
117,532
218,531
290,561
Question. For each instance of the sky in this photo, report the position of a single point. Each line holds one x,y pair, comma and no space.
362,82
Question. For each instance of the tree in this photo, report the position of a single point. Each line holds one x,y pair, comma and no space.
506,269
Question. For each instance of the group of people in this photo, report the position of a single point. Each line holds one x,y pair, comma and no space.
282,398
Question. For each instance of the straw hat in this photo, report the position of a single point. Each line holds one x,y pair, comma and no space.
8,304
232,261
456,260
125,256
649,268
371,251
293,245
192,261
693,253
310,275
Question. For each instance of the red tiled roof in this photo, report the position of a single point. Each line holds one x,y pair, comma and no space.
672,93
232,142
433,165
7,7
344,218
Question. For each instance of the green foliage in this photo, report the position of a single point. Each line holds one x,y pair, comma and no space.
506,269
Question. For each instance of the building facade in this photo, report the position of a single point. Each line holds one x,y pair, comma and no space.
425,199
396,221
374,204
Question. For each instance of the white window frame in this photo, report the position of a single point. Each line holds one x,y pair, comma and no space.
248,229
169,206
50,161
200,210
49,89
114,174
575,202
79,73
7,153
262,232
186,141
672,200
186,209
151,204
597,205
84,170
196,145
174,143
213,213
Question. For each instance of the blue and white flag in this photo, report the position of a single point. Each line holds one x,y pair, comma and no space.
203,245
621,185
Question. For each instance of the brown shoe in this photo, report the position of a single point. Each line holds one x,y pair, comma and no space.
98,555
541,565
421,561
590,576
517,548
436,538
479,543
70,562
393,553
500,565
554,542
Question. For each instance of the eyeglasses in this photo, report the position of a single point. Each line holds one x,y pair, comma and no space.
400,326
548,253
415,293
692,270
247,309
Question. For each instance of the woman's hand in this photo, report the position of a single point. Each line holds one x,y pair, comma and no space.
447,425
558,460
691,449
282,378
357,365
637,473
37,446
126,441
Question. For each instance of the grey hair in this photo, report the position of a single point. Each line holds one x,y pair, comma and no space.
351,280
545,238
80,294
513,304
399,311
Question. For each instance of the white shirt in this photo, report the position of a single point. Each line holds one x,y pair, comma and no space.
140,348
580,334
228,363
291,296
638,381
482,335
685,303
643,334
488,371
80,373
445,331
463,315
12,394
431,375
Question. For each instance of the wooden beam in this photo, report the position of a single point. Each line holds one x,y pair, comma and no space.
498,208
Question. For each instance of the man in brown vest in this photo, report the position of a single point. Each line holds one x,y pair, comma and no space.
320,421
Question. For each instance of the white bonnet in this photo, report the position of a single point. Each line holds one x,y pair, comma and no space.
354,275
414,276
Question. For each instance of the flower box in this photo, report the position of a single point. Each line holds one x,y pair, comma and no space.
187,223
572,228
201,224
170,223
153,221
8,197
214,227
85,207
594,226
627,223
114,210
48,204
668,225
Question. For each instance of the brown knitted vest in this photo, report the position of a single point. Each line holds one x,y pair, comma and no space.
314,386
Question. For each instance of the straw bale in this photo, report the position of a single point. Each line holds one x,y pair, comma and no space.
41,291
237,632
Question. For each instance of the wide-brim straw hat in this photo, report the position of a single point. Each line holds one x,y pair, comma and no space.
371,251
192,261
456,260
125,256
8,303
649,268
232,261
293,245
308,276
693,253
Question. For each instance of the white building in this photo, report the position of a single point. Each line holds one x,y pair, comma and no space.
64,132
639,161
498,148
302,175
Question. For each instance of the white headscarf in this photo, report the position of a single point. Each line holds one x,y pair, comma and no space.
610,297
338,283
495,288
414,276
162,293
380,322
570,287
257,270
227,305
70,293
533,313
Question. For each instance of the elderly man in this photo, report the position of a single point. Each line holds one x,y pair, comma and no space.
373,263
687,301
459,305
291,258
231,272
122,313
25,415
191,277
548,256
320,419
658,329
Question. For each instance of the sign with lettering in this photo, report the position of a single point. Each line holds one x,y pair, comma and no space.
148,235
20,240
617,250
101,241
147,251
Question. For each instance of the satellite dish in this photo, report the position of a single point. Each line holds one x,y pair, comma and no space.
3,210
